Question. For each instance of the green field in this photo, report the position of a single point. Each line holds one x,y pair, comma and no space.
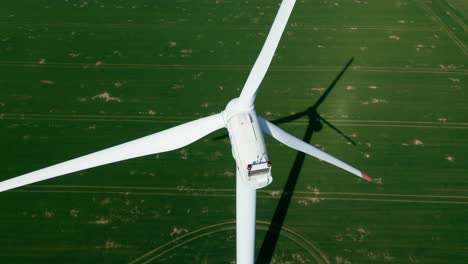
77,76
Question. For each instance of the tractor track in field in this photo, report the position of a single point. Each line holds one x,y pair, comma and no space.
266,194
286,232
109,26
219,67
447,29
172,120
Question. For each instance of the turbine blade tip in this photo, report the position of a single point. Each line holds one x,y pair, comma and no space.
366,177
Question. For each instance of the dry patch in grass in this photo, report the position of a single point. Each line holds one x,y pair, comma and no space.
105,96
74,212
178,231
49,82
100,221
450,158
228,173
184,154
49,214
74,55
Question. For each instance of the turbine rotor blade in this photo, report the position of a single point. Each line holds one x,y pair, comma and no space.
166,140
249,91
300,145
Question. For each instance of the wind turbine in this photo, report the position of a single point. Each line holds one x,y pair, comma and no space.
245,129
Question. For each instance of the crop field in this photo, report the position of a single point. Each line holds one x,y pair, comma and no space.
77,76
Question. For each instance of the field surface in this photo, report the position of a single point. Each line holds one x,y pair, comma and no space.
77,76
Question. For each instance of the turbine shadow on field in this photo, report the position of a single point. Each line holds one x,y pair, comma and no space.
314,124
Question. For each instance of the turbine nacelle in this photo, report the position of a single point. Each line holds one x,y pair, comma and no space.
248,145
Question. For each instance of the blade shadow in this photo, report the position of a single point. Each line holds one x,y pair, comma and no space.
314,125
350,140
312,112
333,84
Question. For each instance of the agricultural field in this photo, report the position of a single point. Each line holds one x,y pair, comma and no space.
78,76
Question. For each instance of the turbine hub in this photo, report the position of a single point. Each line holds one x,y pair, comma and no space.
233,108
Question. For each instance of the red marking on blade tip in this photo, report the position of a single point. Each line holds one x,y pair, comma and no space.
366,177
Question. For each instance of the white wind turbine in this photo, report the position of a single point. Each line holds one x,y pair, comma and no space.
245,129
